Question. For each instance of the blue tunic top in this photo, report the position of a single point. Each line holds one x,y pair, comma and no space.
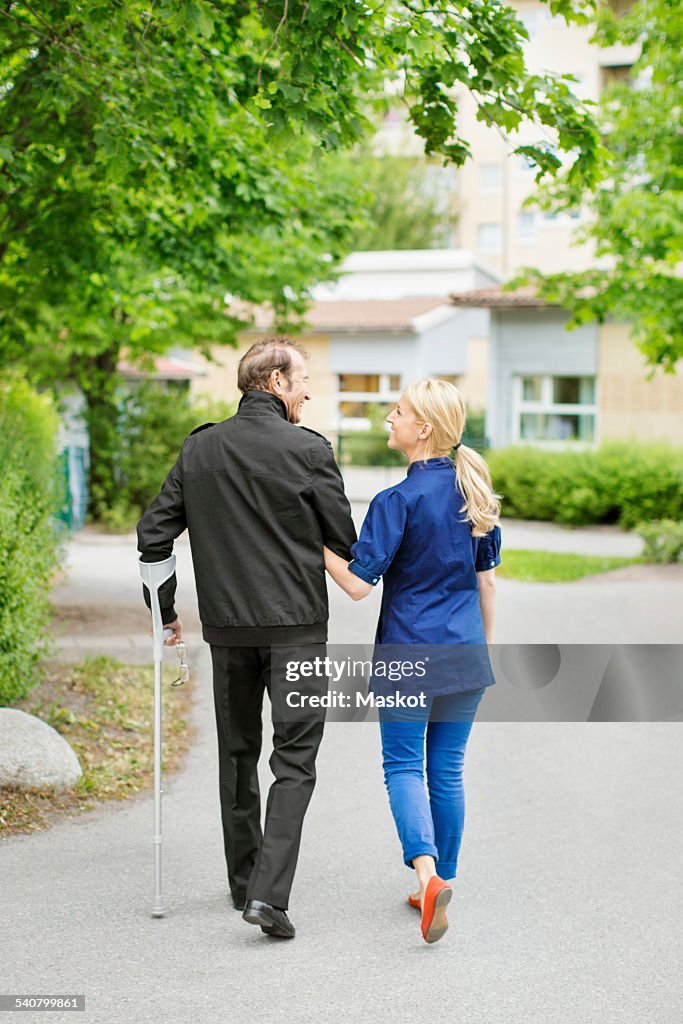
416,537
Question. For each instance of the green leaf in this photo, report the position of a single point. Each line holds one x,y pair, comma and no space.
199,16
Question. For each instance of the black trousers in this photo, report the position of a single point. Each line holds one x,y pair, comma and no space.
261,862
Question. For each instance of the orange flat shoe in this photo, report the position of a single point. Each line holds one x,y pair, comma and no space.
434,923
414,903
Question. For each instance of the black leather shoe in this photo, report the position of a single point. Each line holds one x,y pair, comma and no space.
272,921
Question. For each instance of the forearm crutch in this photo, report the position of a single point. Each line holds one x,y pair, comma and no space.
153,575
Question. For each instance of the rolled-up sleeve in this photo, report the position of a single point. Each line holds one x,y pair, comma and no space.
488,550
380,536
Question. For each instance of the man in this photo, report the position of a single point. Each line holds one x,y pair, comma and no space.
260,497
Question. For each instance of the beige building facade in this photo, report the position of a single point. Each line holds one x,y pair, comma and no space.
559,389
636,403
488,194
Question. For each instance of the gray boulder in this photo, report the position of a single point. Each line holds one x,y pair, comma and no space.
33,755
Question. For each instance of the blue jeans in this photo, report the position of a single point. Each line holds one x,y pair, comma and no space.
433,824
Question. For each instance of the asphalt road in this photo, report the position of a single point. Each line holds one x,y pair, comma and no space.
567,908
637,604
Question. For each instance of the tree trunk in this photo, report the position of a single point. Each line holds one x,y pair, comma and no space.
99,381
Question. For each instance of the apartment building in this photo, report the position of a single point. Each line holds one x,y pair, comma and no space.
488,194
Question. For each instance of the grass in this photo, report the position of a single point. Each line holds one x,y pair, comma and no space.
105,710
556,567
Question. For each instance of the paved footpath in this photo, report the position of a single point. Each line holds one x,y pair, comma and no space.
567,907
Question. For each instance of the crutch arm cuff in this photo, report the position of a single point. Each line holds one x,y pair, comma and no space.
166,598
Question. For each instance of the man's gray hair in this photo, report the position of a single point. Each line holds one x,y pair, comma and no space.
257,364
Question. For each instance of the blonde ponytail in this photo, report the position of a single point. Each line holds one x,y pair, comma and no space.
440,404
481,504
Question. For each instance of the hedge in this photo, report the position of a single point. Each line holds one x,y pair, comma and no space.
621,483
29,534
369,447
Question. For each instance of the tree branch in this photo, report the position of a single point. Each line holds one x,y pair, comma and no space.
24,24
343,45
149,20
281,22
56,39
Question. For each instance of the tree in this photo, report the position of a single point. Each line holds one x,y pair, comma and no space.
637,208
155,156
399,209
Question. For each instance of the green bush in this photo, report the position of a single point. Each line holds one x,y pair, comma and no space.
152,428
617,483
474,434
28,431
663,540
368,448
29,537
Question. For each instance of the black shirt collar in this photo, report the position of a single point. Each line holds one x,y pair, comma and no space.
262,402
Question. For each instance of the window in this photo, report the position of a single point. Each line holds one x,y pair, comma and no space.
556,427
450,378
359,382
574,390
490,177
531,389
555,409
489,237
526,226
563,218
616,74
621,7
360,394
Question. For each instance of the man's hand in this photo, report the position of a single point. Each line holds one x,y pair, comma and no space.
177,628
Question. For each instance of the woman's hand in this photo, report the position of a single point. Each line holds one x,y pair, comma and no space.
351,584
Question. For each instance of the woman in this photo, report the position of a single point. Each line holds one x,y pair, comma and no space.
435,540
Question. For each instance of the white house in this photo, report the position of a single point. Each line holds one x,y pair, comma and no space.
386,322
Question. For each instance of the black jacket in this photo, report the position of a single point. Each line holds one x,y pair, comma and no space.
259,496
